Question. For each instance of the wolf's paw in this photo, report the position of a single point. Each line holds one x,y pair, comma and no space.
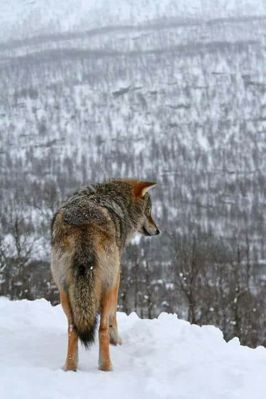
70,366
115,340
114,337
105,366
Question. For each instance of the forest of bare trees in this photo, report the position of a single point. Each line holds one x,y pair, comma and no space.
203,278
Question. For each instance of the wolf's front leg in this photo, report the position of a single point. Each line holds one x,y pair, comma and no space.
71,362
113,330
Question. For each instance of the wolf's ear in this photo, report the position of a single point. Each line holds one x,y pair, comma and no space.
142,187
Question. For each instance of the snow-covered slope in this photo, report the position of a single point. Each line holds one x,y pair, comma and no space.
161,358
26,18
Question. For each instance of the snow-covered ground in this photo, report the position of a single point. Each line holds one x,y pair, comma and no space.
161,358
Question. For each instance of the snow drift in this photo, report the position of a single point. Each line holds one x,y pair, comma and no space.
160,358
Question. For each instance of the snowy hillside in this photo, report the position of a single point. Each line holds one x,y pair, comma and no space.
166,90
27,18
162,358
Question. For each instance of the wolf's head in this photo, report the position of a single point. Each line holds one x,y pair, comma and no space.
147,225
130,204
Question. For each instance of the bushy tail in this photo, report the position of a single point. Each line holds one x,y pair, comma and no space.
83,300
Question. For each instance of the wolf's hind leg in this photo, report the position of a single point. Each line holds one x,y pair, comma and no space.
107,305
113,330
72,349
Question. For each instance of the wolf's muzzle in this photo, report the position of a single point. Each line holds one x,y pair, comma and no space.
147,233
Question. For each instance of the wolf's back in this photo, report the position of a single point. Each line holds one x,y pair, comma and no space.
82,292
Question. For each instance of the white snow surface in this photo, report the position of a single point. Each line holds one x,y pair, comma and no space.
160,358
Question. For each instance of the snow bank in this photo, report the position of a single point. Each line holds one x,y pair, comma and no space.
161,358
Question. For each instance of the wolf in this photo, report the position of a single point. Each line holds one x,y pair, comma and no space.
88,235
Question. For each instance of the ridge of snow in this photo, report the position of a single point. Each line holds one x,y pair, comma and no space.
160,358
27,18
